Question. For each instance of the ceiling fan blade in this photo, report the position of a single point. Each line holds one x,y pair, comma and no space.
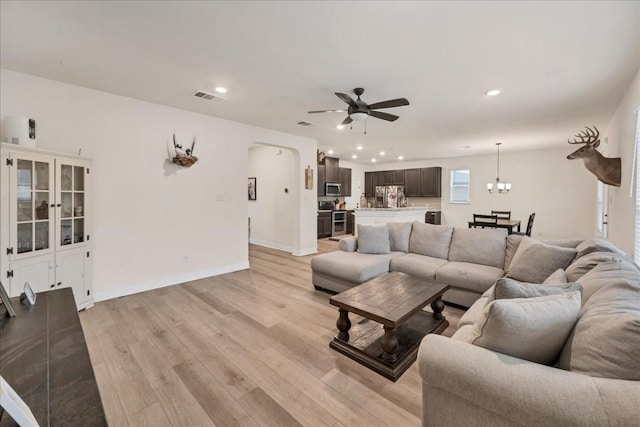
384,116
327,111
399,102
347,121
346,98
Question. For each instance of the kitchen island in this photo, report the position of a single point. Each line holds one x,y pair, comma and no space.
369,216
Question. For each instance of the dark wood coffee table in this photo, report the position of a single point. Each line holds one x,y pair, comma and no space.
394,300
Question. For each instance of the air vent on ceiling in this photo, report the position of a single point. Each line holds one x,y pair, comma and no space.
208,96
305,124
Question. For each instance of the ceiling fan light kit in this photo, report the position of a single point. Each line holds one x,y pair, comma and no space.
359,110
498,187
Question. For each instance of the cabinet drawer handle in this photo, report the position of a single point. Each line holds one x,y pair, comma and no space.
59,204
59,283
53,205
52,286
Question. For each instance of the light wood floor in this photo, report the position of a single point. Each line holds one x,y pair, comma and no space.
248,348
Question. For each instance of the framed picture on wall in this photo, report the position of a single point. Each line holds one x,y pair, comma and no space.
252,188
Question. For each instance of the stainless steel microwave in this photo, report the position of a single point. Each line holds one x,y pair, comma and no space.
332,189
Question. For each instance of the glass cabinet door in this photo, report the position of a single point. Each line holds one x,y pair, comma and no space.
31,206
71,195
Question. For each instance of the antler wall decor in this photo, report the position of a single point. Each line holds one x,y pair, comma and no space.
184,157
606,169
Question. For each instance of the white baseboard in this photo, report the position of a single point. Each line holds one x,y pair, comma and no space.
304,252
271,245
106,294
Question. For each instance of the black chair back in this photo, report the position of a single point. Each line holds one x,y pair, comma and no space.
482,221
502,214
530,224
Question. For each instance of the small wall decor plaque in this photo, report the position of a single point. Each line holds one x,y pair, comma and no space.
252,188
308,178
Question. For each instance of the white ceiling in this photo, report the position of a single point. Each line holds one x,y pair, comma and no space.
560,65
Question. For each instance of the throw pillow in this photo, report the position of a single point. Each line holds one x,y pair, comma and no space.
430,240
534,261
533,329
605,342
479,246
558,277
373,239
399,234
513,241
509,289
596,245
583,265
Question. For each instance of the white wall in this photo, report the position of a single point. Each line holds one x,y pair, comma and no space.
357,174
559,191
270,213
151,214
621,133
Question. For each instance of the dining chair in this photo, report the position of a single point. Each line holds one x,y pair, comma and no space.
482,221
529,226
502,214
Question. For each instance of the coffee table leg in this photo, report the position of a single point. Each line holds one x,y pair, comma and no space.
437,306
390,345
343,324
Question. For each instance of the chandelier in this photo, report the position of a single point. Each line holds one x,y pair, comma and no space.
499,187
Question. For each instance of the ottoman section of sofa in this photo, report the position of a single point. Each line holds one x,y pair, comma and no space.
350,267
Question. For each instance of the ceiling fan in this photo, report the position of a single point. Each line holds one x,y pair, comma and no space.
359,110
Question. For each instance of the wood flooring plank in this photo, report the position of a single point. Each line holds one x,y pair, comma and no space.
151,416
266,411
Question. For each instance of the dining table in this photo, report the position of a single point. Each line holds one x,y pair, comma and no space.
509,224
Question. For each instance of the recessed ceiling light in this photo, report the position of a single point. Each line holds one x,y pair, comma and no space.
359,147
373,160
493,92
400,158
340,126
382,153
354,156
221,89
330,151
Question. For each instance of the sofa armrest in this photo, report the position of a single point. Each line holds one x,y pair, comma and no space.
348,244
523,392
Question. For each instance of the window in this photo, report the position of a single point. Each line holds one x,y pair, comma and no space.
459,186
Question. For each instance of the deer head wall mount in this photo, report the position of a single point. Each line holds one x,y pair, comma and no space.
183,157
606,169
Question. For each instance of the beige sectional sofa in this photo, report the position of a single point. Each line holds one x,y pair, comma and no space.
564,354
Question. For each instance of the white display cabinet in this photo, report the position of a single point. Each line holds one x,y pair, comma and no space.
45,224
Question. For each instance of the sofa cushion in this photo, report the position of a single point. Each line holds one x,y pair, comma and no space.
513,241
606,339
399,234
348,244
533,329
584,264
534,261
373,239
417,265
596,245
354,267
465,275
472,315
558,277
479,246
463,333
604,274
509,289
431,240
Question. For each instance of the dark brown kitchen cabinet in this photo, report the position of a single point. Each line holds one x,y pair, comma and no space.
321,180
387,178
432,217
345,181
398,177
324,224
370,182
430,181
413,183
332,170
